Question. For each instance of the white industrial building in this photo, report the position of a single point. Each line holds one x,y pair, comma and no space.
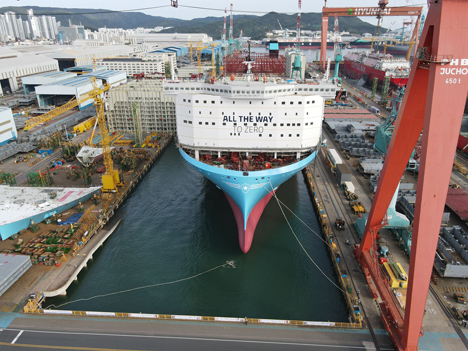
170,39
14,66
140,102
7,126
79,56
60,92
135,65
30,82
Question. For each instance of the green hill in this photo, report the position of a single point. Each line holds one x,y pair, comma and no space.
252,26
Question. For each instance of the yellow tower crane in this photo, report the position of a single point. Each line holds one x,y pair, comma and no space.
46,117
111,178
200,48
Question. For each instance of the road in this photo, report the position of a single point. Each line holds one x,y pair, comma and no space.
86,333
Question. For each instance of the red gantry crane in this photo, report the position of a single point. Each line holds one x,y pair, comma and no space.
378,12
433,102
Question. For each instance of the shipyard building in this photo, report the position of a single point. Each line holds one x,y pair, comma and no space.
7,126
140,104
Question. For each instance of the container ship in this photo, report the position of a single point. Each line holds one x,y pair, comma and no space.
248,137
366,65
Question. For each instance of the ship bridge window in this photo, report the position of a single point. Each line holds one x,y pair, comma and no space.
321,89
316,89
300,89
243,91
209,89
192,88
197,88
289,89
217,90
327,89
275,91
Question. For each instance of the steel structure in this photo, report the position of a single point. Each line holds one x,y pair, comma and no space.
263,63
46,117
379,12
434,101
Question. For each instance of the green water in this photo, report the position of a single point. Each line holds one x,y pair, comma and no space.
177,224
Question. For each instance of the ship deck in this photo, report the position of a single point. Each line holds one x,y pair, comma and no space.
255,161
18,203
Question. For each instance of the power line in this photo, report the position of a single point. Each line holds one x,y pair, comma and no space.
93,13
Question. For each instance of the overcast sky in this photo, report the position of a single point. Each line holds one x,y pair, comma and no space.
260,6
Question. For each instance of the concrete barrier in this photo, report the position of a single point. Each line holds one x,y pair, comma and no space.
200,318
63,290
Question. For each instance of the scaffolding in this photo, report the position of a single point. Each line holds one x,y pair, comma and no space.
385,86
137,122
374,88
262,63
157,111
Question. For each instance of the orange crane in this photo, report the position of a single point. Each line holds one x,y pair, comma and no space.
434,101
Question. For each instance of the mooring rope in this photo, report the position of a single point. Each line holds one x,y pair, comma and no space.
228,263
300,244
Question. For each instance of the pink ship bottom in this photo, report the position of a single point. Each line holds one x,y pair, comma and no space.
246,236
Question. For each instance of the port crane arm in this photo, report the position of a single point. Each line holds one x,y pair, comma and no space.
76,101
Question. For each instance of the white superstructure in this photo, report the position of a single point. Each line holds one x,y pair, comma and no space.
249,116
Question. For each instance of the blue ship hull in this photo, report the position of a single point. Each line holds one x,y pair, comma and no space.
248,192
10,229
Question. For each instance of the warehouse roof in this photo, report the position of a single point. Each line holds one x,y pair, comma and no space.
74,82
104,74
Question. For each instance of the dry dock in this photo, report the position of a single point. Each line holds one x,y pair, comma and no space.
54,279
